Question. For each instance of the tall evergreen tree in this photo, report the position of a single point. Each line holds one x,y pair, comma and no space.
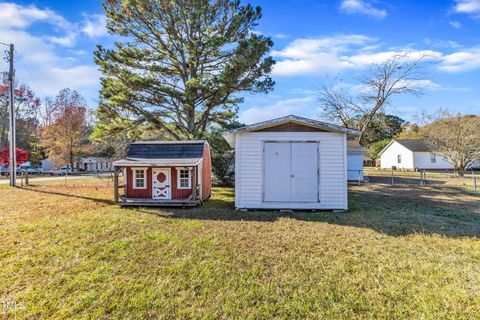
181,64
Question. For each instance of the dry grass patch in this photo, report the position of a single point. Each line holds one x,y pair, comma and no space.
400,253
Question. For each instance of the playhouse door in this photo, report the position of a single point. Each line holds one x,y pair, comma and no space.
161,184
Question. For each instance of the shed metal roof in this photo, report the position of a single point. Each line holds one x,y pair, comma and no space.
230,134
301,120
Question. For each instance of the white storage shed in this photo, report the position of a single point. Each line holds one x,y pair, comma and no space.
290,163
355,156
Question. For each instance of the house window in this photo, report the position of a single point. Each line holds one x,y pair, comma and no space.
433,158
399,158
139,179
184,181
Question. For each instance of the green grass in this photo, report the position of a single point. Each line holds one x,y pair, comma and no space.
67,252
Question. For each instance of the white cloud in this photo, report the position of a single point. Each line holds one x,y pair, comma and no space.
95,25
69,40
365,59
318,56
439,43
468,6
336,54
42,62
20,17
281,35
297,106
17,17
310,56
362,7
455,24
461,61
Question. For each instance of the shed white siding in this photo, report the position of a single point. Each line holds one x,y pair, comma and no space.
249,170
423,160
389,157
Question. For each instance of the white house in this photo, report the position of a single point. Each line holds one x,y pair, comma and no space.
290,163
355,155
95,164
411,154
47,165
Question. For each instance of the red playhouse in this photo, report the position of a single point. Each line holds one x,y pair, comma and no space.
164,173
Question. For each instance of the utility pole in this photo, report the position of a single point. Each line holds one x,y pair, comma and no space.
13,118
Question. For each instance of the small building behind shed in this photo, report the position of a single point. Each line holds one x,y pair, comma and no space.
355,158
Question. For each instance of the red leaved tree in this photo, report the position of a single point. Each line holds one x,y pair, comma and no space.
21,157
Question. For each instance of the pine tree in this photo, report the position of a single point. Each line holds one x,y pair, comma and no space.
182,64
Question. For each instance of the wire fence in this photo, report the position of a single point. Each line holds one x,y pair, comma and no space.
26,179
423,178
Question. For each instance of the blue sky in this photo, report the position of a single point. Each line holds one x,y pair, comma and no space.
316,42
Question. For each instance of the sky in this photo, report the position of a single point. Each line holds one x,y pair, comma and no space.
316,43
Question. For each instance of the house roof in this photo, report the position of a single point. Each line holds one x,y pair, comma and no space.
414,145
419,145
96,159
230,134
149,153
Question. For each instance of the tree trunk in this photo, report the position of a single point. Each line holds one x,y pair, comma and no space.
71,160
460,170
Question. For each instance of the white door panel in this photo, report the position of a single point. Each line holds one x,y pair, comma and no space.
161,184
304,171
291,171
277,171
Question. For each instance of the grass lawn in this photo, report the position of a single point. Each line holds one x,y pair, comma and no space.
401,252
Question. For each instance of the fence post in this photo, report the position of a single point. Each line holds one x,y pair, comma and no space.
26,178
474,181
393,182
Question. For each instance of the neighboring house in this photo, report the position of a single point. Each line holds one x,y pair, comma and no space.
162,173
412,154
47,165
95,164
355,158
290,163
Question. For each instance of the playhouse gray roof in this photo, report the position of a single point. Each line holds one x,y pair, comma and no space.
163,153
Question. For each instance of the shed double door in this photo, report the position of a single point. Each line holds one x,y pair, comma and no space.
290,171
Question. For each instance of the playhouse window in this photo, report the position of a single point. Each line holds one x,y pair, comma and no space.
184,181
433,158
399,158
139,179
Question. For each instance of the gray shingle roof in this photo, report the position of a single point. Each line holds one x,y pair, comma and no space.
416,145
166,150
